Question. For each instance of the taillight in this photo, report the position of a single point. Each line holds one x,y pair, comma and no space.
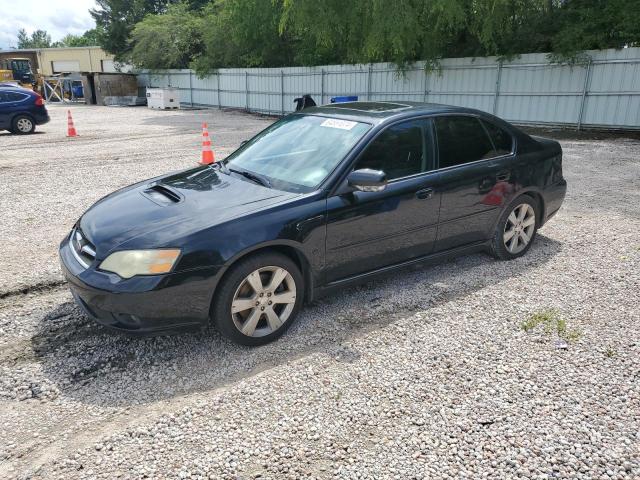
39,100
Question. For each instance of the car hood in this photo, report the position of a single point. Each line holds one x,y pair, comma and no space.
157,212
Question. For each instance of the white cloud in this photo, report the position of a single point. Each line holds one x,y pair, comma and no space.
57,17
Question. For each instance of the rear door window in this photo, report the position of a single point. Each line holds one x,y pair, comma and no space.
461,139
502,140
399,151
13,96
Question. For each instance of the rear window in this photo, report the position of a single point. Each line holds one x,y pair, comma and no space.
502,140
461,139
12,96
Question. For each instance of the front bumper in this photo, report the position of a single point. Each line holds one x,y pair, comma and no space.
143,304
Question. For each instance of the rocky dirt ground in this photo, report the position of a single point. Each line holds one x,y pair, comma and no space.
435,373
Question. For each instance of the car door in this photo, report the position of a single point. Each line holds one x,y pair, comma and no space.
472,181
4,111
370,230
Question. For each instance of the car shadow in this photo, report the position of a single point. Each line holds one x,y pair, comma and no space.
7,133
93,365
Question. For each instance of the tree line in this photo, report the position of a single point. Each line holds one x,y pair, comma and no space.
42,39
210,34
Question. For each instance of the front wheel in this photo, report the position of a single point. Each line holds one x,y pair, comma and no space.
516,229
258,299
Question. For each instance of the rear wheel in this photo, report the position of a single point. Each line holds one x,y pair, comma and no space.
516,229
258,299
23,124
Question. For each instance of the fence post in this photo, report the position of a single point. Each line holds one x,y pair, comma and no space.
168,78
218,89
190,89
585,90
497,92
282,92
369,83
246,90
426,86
322,86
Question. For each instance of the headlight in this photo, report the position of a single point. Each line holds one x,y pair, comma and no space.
129,263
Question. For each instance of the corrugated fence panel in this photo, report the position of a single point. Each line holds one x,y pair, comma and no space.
604,92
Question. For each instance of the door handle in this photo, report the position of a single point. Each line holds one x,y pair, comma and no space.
425,193
502,176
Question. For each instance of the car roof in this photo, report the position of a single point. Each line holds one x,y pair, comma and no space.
382,111
15,88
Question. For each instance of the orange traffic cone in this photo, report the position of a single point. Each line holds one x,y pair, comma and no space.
207,153
71,130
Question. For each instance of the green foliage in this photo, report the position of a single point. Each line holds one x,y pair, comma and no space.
115,20
553,323
87,39
243,32
38,39
595,24
210,34
170,40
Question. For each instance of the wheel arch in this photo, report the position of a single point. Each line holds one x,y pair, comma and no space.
21,114
537,196
531,193
288,249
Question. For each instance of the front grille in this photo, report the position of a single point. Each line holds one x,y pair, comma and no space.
82,249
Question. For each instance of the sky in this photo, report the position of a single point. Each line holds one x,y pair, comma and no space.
58,17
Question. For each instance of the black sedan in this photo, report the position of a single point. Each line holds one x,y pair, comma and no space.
321,199
21,110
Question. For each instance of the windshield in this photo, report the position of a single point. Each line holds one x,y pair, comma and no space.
21,65
298,152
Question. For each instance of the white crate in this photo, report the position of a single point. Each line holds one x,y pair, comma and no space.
163,98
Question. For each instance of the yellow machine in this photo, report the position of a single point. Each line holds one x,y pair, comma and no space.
18,70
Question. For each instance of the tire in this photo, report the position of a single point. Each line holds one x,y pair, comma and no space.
512,229
245,314
23,125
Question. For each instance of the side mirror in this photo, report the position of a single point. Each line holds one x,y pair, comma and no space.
367,180
243,142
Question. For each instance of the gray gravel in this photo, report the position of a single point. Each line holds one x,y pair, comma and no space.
48,180
425,374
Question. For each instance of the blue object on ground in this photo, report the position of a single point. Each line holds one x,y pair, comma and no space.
352,98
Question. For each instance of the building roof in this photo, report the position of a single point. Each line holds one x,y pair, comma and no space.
34,50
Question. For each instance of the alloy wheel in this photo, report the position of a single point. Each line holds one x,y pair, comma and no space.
519,228
264,301
24,125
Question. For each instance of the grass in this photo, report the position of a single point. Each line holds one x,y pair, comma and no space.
553,323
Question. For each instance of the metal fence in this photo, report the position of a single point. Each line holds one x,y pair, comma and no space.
603,92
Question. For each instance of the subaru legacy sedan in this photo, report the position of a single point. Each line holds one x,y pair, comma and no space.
323,198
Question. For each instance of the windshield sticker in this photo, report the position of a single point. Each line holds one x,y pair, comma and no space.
341,124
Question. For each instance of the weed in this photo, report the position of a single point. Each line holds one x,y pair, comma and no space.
609,352
553,323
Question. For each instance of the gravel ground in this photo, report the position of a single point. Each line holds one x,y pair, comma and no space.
49,180
425,374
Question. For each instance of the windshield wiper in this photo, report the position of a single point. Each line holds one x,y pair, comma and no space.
222,166
252,176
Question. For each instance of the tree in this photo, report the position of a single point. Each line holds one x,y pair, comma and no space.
595,24
243,33
272,33
87,39
115,20
169,40
38,39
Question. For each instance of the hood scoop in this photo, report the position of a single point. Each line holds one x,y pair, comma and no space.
162,195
